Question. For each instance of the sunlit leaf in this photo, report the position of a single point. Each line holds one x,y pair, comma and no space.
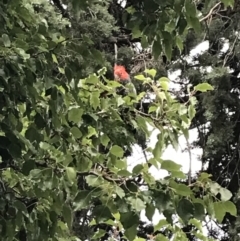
203,87
161,237
117,151
6,40
151,72
71,174
230,208
140,77
170,165
119,191
75,115
219,211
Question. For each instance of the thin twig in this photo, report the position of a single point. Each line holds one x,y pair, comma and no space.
230,52
115,52
210,12
190,163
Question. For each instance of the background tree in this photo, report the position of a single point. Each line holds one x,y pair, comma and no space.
217,118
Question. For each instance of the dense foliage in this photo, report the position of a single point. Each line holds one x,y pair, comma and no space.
66,131
217,117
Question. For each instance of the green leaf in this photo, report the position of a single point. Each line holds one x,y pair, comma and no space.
104,139
194,22
61,70
124,173
91,131
68,73
139,239
71,174
140,77
131,233
82,199
199,211
185,210
204,177
93,181
121,164
117,151
215,188
170,166
179,43
28,166
97,55
209,204
76,132
144,41
225,194
119,191
128,219
154,162
83,164
151,72
99,234
161,237
157,151
190,8
67,159
174,140
227,3
54,58
102,71
196,223
164,82
35,173
6,40
181,24
137,169
219,211
167,47
178,174
230,208
150,210
136,33
191,112
143,125
182,110
203,87
92,79
163,200
15,150
167,44
181,189
101,213
67,215
75,115
156,49
161,223
95,100
136,203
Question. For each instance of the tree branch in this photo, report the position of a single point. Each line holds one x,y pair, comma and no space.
60,7
210,12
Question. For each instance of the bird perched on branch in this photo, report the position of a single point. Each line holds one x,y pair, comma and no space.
121,75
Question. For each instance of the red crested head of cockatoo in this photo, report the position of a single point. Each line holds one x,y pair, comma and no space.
120,74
